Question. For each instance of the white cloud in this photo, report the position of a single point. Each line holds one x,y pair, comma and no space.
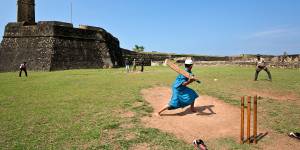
271,33
282,32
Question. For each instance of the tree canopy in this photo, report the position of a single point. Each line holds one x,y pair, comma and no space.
137,48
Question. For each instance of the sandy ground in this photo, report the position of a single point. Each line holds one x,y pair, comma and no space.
213,119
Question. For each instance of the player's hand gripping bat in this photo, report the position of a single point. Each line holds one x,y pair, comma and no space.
181,71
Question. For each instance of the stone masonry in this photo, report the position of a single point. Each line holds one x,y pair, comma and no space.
26,11
52,45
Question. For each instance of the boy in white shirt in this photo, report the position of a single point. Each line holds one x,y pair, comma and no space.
23,68
261,65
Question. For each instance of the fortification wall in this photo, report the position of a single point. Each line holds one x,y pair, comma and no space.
54,45
160,58
289,61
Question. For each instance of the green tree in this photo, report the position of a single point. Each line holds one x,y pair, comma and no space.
137,48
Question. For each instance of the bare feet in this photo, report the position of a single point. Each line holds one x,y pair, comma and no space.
193,110
163,109
157,114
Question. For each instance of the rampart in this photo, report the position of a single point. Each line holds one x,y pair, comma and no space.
288,61
52,45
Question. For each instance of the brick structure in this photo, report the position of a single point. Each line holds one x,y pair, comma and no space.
52,45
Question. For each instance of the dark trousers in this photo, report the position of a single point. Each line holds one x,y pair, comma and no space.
142,68
22,69
258,69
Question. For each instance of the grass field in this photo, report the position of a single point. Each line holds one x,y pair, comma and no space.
84,109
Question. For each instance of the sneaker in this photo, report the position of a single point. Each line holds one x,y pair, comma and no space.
199,144
295,135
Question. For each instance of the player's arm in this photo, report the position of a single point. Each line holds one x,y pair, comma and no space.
188,81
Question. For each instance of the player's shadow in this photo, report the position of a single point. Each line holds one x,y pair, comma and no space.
200,110
259,137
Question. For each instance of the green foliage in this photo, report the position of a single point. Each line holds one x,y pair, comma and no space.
138,48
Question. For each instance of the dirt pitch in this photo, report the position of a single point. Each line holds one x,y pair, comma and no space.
213,119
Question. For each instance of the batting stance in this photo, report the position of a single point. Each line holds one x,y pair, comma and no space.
261,65
182,96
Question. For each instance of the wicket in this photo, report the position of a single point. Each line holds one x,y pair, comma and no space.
249,119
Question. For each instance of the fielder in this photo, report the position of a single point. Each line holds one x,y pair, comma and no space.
261,65
182,96
23,67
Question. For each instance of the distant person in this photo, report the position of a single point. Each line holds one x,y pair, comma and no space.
23,67
127,65
134,65
261,65
142,64
182,95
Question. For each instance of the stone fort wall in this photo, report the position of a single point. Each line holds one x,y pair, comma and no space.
51,45
289,61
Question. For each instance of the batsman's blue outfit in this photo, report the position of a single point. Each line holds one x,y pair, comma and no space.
182,96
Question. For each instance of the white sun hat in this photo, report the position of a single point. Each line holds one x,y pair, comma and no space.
188,62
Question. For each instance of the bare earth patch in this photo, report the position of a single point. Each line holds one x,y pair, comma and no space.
127,125
137,104
144,146
127,114
107,136
140,146
124,113
213,119
130,136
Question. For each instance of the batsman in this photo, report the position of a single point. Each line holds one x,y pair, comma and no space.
182,95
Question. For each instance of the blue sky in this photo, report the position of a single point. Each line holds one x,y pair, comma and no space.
210,27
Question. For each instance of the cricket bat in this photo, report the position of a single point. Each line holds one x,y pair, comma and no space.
180,71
